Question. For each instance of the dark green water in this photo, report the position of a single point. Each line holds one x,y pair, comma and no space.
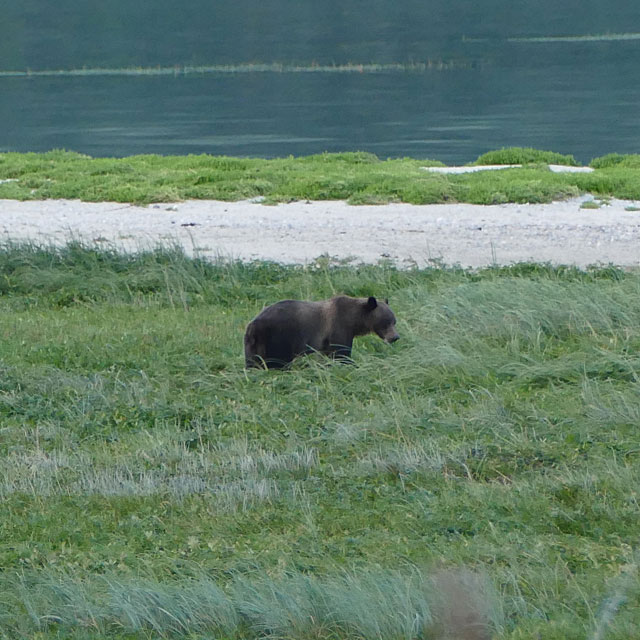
514,74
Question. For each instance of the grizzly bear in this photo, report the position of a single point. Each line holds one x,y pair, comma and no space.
291,328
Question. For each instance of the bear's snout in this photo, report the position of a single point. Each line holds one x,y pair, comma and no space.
390,335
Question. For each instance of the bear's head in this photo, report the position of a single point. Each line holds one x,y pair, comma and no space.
380,319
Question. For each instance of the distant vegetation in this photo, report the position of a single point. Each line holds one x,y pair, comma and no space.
519,155
481,471
248,67
360,178
630,161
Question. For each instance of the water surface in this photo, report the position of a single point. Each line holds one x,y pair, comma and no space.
513,80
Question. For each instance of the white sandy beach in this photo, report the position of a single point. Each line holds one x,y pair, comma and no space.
471,235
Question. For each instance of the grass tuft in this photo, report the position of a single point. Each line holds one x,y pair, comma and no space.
612,160
522,155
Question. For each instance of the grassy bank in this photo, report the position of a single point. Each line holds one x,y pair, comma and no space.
485,464
360,178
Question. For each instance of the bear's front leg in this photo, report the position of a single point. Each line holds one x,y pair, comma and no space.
341,351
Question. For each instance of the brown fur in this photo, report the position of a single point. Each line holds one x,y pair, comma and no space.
290,328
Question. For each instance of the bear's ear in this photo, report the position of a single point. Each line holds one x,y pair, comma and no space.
372,303
386,300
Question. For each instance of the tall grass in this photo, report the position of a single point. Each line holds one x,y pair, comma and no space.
151,486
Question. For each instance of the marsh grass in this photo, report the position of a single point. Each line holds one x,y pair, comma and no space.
360,178
152,487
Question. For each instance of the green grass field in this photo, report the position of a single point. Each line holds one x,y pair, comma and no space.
486,465
360,178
